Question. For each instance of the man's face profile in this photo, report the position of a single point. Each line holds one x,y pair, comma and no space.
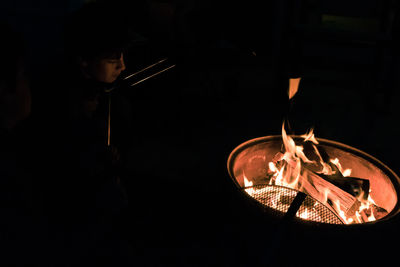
104,70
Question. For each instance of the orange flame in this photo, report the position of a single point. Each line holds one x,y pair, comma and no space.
288,170
290,173
248,184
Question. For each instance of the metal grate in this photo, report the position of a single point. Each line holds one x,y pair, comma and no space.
279,198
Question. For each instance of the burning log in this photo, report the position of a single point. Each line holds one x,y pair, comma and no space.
311,171
274,174
320,189
357,187
328,169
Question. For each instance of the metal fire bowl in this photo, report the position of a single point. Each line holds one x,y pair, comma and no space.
252,157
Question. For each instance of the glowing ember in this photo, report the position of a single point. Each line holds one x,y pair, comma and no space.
305,168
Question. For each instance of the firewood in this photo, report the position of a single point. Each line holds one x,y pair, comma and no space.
322,190
352,185
323,181
327,193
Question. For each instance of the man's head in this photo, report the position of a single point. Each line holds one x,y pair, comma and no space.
106,69
96,39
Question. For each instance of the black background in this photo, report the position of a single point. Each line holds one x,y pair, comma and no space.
233,62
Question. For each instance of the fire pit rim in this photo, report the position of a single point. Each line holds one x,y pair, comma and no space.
394,178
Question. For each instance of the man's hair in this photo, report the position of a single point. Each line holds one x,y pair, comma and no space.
97,31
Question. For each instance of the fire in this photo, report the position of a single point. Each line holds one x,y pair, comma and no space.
304,214
307,168
345,172
248,185
310,137
298,168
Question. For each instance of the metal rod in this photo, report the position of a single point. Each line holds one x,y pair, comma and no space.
148,67
109,120
111,89
170,67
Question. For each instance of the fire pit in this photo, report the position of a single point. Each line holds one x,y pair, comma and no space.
309,191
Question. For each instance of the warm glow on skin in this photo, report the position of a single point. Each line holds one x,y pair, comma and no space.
104,70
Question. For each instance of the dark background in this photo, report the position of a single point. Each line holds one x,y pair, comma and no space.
233,65
345,51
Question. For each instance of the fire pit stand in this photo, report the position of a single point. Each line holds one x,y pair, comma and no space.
299,230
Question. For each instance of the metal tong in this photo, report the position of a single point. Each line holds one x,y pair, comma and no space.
157,66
